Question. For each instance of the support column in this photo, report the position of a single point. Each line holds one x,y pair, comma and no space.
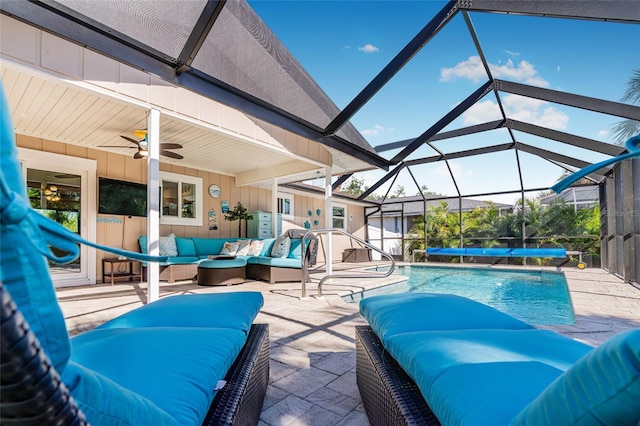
328,217
274,207
153,204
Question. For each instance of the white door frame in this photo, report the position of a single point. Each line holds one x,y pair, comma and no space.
87,170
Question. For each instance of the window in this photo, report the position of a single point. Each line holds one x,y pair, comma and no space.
285,206
181,199
339,216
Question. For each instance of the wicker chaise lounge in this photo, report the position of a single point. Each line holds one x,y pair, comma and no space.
429,359
33,393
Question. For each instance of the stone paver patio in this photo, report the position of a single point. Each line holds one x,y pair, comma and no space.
312,345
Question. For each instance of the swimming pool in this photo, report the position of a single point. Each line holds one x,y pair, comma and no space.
536,297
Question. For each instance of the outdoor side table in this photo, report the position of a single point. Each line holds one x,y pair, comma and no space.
120,268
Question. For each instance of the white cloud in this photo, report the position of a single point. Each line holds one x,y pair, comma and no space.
368,48
512,53
481,112
377,130
602,134
520,108
441,170
472,69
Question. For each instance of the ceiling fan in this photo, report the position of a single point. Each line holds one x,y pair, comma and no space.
141,145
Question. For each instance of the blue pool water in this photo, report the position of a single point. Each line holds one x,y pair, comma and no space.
536,297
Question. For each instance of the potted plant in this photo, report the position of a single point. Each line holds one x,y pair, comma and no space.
238,213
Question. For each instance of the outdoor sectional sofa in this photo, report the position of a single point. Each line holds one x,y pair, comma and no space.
442,359
187,254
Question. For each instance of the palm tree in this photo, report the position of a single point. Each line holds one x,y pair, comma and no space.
625,129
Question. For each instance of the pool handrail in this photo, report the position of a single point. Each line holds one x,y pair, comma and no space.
330,276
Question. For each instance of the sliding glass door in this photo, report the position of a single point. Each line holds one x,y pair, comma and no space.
62,188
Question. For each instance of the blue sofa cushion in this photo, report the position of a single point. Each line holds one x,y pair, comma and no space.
391,314
106,403
235,310
280,262
206,246
142,242
176,368
186,247
601,388
475,376
267,247
295,251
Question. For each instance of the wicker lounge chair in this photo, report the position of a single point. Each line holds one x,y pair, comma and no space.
388,394
430,359
33,393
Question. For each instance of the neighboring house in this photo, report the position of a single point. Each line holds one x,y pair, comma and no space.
401,213
580,197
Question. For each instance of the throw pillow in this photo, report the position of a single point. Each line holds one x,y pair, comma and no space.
229,248
243,247
255,248
168,246
281,246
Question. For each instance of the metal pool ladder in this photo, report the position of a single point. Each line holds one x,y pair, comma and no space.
327,277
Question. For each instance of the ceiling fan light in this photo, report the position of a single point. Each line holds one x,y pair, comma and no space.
144,153
140,134
47,192
53,188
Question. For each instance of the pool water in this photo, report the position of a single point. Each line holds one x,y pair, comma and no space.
536,297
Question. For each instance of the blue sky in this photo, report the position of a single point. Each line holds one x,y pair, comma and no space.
344,44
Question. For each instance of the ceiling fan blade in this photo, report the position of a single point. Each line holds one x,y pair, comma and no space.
130,140
167,145
116,146
171,154
138,155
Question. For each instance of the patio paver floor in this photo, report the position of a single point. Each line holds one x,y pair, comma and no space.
312,344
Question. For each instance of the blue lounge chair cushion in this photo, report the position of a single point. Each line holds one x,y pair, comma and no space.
23,268
601,388
511,367
106,403
390,314
235,310
176,368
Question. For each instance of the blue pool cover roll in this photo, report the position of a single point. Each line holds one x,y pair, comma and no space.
499,252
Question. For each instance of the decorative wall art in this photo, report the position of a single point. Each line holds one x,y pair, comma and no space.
213,220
